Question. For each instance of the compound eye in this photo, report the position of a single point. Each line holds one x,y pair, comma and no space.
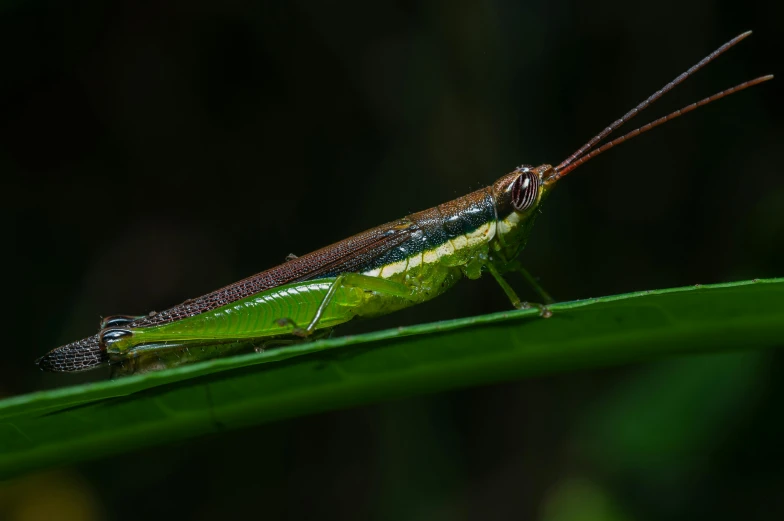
524,191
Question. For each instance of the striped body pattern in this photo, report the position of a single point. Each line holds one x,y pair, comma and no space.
426,253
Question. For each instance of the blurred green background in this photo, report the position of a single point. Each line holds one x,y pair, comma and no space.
152,152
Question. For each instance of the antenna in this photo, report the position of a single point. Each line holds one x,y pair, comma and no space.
642,106
645,128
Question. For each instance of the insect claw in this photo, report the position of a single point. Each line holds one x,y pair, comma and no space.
544,311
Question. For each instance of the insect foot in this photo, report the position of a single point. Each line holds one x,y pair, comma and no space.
544,311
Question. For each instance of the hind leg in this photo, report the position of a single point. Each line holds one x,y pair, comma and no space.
356,280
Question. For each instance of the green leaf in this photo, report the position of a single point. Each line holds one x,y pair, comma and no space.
90,421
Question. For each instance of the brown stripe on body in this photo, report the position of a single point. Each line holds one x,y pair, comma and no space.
417,232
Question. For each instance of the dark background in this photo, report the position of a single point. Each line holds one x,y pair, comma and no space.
152,152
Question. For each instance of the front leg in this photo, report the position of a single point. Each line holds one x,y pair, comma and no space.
544,311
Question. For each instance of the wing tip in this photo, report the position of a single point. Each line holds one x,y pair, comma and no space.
74,357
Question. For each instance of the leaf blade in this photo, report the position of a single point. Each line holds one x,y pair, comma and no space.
85,422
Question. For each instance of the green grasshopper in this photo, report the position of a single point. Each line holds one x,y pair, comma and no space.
384,269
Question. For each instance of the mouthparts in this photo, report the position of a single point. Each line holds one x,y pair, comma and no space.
76,356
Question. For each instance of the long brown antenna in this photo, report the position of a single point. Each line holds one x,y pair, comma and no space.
655,96
645,128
